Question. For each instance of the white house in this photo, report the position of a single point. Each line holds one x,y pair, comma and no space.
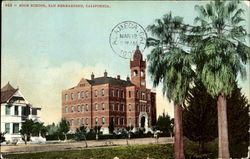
15,109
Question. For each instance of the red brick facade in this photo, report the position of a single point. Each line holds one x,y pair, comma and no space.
102,100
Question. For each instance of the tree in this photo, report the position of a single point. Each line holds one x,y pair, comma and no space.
164,124
170,65
199,116
64,127
81,134
238,124
2,138
26,129
220,55
111,127
39,129
97,129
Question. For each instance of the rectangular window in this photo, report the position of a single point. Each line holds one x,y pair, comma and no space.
117,107
82,121
66,97
113,106
79,122
122,94
113,93
72,96
121,107
87,107
82,94
16,110
86,94
117,93
96,93
130,121
118,121
96,120
129,94
82,108
7,110
103,120
78,108
121,121
79,95
103,106
7,128
66,109
129,107
87,121
103,92
96,107
72,109
15,128
72,122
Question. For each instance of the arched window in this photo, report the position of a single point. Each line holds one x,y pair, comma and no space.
142,73
135,73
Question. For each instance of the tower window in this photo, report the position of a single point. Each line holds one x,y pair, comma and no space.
142,73
135,73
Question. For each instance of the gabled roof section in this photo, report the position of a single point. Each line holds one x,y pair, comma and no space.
109,80
6,92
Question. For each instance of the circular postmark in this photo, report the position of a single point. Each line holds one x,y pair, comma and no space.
125,37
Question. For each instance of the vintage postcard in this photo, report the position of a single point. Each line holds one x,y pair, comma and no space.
125,79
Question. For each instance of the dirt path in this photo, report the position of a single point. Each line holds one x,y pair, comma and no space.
71,145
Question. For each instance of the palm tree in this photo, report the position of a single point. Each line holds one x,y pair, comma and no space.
171,66
221,54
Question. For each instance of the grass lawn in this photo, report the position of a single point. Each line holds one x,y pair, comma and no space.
123,152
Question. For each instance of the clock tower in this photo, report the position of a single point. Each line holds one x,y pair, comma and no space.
138,69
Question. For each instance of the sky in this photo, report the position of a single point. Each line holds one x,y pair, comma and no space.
46,50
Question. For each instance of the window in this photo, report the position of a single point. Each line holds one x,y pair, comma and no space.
82,94
122,94
96,106
96,93
87,107
79,95
72,96
82,121
78,108
7,110
121,121
103,120
102,92
66,109
15,128
86,94
72,109
96,120
103,106
79,122
130,121
82,108
112,93
7,128
16,110
129,94
148,96
137,94
135,73
143,96
117,93
142,73
129,107
72,122
87,121
118,120
121,107
113,106
66,97
117,107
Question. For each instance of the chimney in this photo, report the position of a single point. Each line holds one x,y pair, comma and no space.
92,76
105,74
118,77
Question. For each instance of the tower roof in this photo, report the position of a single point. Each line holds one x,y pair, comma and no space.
137,54
6,92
